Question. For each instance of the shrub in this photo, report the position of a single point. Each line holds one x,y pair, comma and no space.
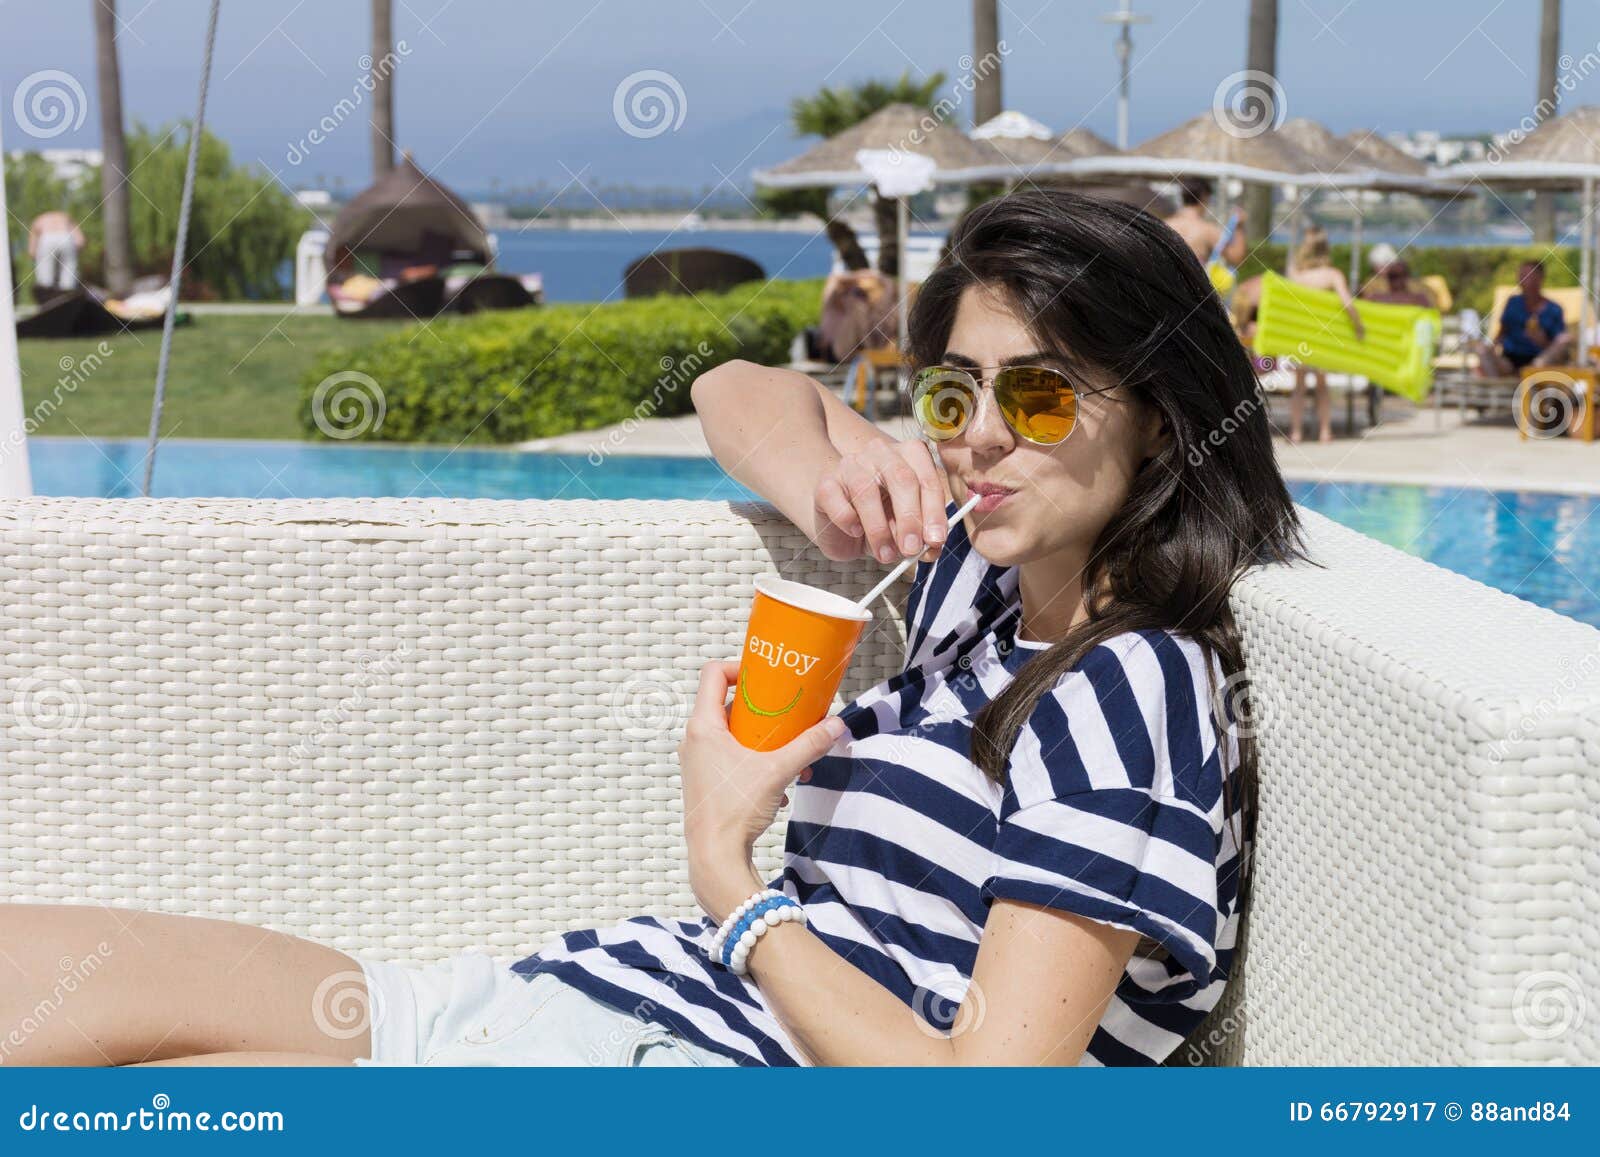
534,373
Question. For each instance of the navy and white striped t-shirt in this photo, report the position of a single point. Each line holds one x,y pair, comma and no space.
1112,810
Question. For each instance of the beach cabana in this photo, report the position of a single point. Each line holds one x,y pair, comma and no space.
405,231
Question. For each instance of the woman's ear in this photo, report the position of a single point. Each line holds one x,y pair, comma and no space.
1155,430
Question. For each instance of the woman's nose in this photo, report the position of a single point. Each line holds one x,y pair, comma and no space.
988,430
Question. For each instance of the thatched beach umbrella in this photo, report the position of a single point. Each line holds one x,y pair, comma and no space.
937,150
903,127
1559,155
1205,147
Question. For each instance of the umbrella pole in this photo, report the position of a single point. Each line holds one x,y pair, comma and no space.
1355,246
1294,228
1586,235
903,229
15,481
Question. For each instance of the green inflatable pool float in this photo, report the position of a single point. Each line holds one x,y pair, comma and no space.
1311,326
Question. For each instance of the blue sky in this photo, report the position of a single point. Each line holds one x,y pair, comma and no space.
523,92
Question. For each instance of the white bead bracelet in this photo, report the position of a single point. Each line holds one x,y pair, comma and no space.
771,918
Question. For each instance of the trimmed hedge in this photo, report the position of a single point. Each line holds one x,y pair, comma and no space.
534,373
1471,271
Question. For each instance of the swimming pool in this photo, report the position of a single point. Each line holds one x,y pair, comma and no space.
1541,547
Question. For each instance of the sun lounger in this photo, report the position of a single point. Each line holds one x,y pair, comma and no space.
416,300
411,728
81,314
485,291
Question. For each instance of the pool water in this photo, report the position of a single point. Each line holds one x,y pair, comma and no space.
1541,547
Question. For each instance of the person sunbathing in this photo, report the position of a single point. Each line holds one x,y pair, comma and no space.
1533,330
1032,846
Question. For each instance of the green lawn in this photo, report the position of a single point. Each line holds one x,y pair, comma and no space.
231,376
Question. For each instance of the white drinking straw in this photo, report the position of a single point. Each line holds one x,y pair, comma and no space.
888,580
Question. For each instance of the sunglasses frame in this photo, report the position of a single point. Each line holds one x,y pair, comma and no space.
977,375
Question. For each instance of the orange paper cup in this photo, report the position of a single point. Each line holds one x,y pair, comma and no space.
795,654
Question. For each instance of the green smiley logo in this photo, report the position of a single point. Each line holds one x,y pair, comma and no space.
744,694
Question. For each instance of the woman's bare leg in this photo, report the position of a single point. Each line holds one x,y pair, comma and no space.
247,1060
1324,408
113,986
1297,404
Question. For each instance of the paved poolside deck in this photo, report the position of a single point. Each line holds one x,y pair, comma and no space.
1406,447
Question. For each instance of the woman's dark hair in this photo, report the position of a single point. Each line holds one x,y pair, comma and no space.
1113,291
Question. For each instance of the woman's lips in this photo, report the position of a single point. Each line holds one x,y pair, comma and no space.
990,495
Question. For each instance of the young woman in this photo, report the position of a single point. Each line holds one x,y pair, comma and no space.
1027,848
1313,266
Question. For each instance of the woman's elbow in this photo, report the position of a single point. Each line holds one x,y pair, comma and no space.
709,386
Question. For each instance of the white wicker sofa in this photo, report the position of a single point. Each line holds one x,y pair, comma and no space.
424,726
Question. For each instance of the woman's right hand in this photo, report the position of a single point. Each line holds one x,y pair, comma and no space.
887,501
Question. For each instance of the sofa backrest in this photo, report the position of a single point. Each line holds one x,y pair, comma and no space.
412,728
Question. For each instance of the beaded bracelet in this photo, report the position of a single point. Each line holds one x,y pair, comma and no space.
748,922
782,912
720,940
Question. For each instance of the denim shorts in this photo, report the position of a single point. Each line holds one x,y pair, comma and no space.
471,1011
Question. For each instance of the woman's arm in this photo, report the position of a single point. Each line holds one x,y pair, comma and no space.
846,484
1342,288
1041,982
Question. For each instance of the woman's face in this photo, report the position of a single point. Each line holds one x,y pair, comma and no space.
1049,500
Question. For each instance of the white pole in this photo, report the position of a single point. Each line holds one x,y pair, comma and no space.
903,229
1355,245
15,480
1586,270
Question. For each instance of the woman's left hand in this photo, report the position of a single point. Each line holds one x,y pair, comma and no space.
732,794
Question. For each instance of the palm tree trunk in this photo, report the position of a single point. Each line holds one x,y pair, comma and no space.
1544,204
1261,56
382,88
118,270
886,215
846,244
987,99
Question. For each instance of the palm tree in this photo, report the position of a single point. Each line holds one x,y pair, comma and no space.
1261,56
987,100
118,270
1544,203
382,88
829,113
